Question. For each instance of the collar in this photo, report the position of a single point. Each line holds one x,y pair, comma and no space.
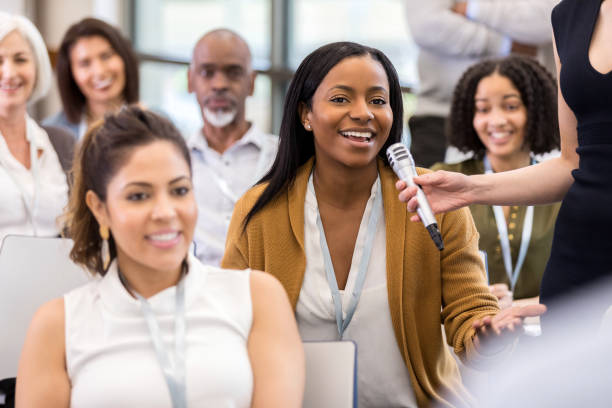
311,197
297,196
35,134
118,300
253,136
82,127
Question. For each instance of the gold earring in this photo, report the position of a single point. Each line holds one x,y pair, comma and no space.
105,248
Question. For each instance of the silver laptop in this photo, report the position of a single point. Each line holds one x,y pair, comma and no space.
32,271
331,374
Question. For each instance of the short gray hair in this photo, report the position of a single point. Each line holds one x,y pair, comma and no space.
44,76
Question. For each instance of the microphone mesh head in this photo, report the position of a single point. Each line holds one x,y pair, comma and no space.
397,152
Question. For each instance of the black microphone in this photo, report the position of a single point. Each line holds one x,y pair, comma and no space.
403,165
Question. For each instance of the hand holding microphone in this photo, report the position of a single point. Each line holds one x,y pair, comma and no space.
403,165
445,191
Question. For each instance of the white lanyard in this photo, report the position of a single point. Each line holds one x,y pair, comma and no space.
82,129
223,184
502,228
377,209
174,374
31,205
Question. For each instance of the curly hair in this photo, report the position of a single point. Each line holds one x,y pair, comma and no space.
538,91
105,148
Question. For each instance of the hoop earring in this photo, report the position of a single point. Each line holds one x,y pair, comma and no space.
105,248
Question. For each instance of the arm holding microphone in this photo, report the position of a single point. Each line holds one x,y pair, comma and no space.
492,333
543,183
447,191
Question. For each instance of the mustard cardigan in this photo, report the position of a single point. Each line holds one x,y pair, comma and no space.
426,287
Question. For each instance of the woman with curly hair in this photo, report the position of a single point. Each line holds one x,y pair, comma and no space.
581,253
504,111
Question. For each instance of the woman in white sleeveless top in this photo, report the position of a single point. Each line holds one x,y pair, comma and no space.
158,328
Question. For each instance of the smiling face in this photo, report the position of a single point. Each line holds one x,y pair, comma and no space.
500,117
17,72
150,209
350,117
98,70
221,77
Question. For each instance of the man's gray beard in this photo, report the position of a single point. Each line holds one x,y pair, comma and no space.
220,118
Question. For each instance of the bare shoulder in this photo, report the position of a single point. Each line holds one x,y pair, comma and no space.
44,345
264,285
274,345
271,307
49,319
42,379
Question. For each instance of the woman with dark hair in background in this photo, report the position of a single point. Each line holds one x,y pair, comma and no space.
505,112
33,159
97,72
327,223
158,329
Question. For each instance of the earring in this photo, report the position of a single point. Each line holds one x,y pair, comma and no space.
104,249
307,126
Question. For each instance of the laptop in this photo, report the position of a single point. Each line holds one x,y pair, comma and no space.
331,374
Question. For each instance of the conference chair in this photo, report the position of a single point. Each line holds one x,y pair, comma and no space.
33,271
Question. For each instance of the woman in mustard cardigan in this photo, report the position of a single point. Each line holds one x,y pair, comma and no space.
327,223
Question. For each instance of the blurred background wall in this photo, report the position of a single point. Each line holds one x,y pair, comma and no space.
280,33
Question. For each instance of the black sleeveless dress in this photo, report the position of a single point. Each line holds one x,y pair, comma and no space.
581,252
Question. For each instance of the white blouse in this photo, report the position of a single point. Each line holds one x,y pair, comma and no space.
383,378
33,198
110,357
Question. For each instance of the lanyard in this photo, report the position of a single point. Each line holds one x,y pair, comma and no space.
222,183
363,265
82,128
30,204
173,373
502,228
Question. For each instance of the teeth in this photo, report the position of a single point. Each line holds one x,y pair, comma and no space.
358,134
499,135
103,84
164,237
363,136
9,87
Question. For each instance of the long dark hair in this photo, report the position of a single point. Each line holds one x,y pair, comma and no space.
538,91
296,144
73,100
